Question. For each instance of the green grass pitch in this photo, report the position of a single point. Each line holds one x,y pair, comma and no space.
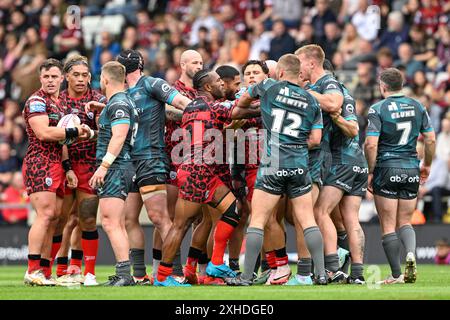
433,282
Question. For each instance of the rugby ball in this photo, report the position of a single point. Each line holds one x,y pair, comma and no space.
68,121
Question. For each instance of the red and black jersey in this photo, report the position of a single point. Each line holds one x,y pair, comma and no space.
41,104
171,126
82,151
198,117
253,145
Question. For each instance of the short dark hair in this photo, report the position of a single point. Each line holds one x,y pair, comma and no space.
200,78
227,72
392,78
50,63
262,64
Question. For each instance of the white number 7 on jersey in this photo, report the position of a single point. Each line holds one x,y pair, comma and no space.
406,128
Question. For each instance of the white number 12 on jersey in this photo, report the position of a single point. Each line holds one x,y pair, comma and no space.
292,129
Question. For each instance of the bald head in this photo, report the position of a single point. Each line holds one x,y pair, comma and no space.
190,62
272,65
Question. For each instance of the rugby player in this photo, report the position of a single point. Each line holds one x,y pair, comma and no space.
42,168
81,200
395,124
118,125
293,121
149,158
327,90
198,183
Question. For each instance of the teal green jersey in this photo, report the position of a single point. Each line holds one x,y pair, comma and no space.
120,109
345,150
325,85
289,113
398,121
150,96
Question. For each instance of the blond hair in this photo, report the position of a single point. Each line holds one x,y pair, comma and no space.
290,64
115,71
312,51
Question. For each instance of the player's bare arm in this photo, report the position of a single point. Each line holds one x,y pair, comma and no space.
173,114
180,102
348,127
314,138
329,102
370,150
430,148
40,126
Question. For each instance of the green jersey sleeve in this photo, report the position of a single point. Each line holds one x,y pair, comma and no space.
160,90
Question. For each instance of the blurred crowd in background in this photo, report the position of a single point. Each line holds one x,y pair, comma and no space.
360,37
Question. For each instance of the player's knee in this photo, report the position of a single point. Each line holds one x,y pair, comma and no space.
88,209
231,215
88,223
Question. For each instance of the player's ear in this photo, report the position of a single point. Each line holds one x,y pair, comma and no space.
89,78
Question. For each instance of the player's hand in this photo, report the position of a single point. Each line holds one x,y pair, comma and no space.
84,132
335,115
92,106
255,104
98,179
370,183
72,180
424,173
236,124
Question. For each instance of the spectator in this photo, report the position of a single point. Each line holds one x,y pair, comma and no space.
366,21
324,15
350,43
171,76
5,84
443,49
406,58
205,19
395,34
428,16
385,59
420,84
366,90
282,41
409,10
106,44
260,41
47,31
239,49
347,10
129,38
32,55
290,11
15,194
144,27
18,22
161,65
423,46
13,50
305,35
19,142
70,38
258,11
434,111
442,252
8,163
332,39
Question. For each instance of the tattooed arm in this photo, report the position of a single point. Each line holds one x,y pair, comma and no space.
173,113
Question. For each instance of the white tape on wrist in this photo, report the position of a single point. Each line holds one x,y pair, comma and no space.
92,133
109,158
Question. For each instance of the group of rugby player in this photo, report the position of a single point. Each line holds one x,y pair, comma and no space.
144,142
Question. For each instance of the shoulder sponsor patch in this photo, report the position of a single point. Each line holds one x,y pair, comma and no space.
37,106
165,87
120,113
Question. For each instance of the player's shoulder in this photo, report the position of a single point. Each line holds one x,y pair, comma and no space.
37,96
96,95
377,107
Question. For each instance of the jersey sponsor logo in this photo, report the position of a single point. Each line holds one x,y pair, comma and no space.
266,186
289,173
90,115
331,86
284,91
372,110
120,113
37,106
48,181
350,109
404,179
173,175
305,187
165,87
